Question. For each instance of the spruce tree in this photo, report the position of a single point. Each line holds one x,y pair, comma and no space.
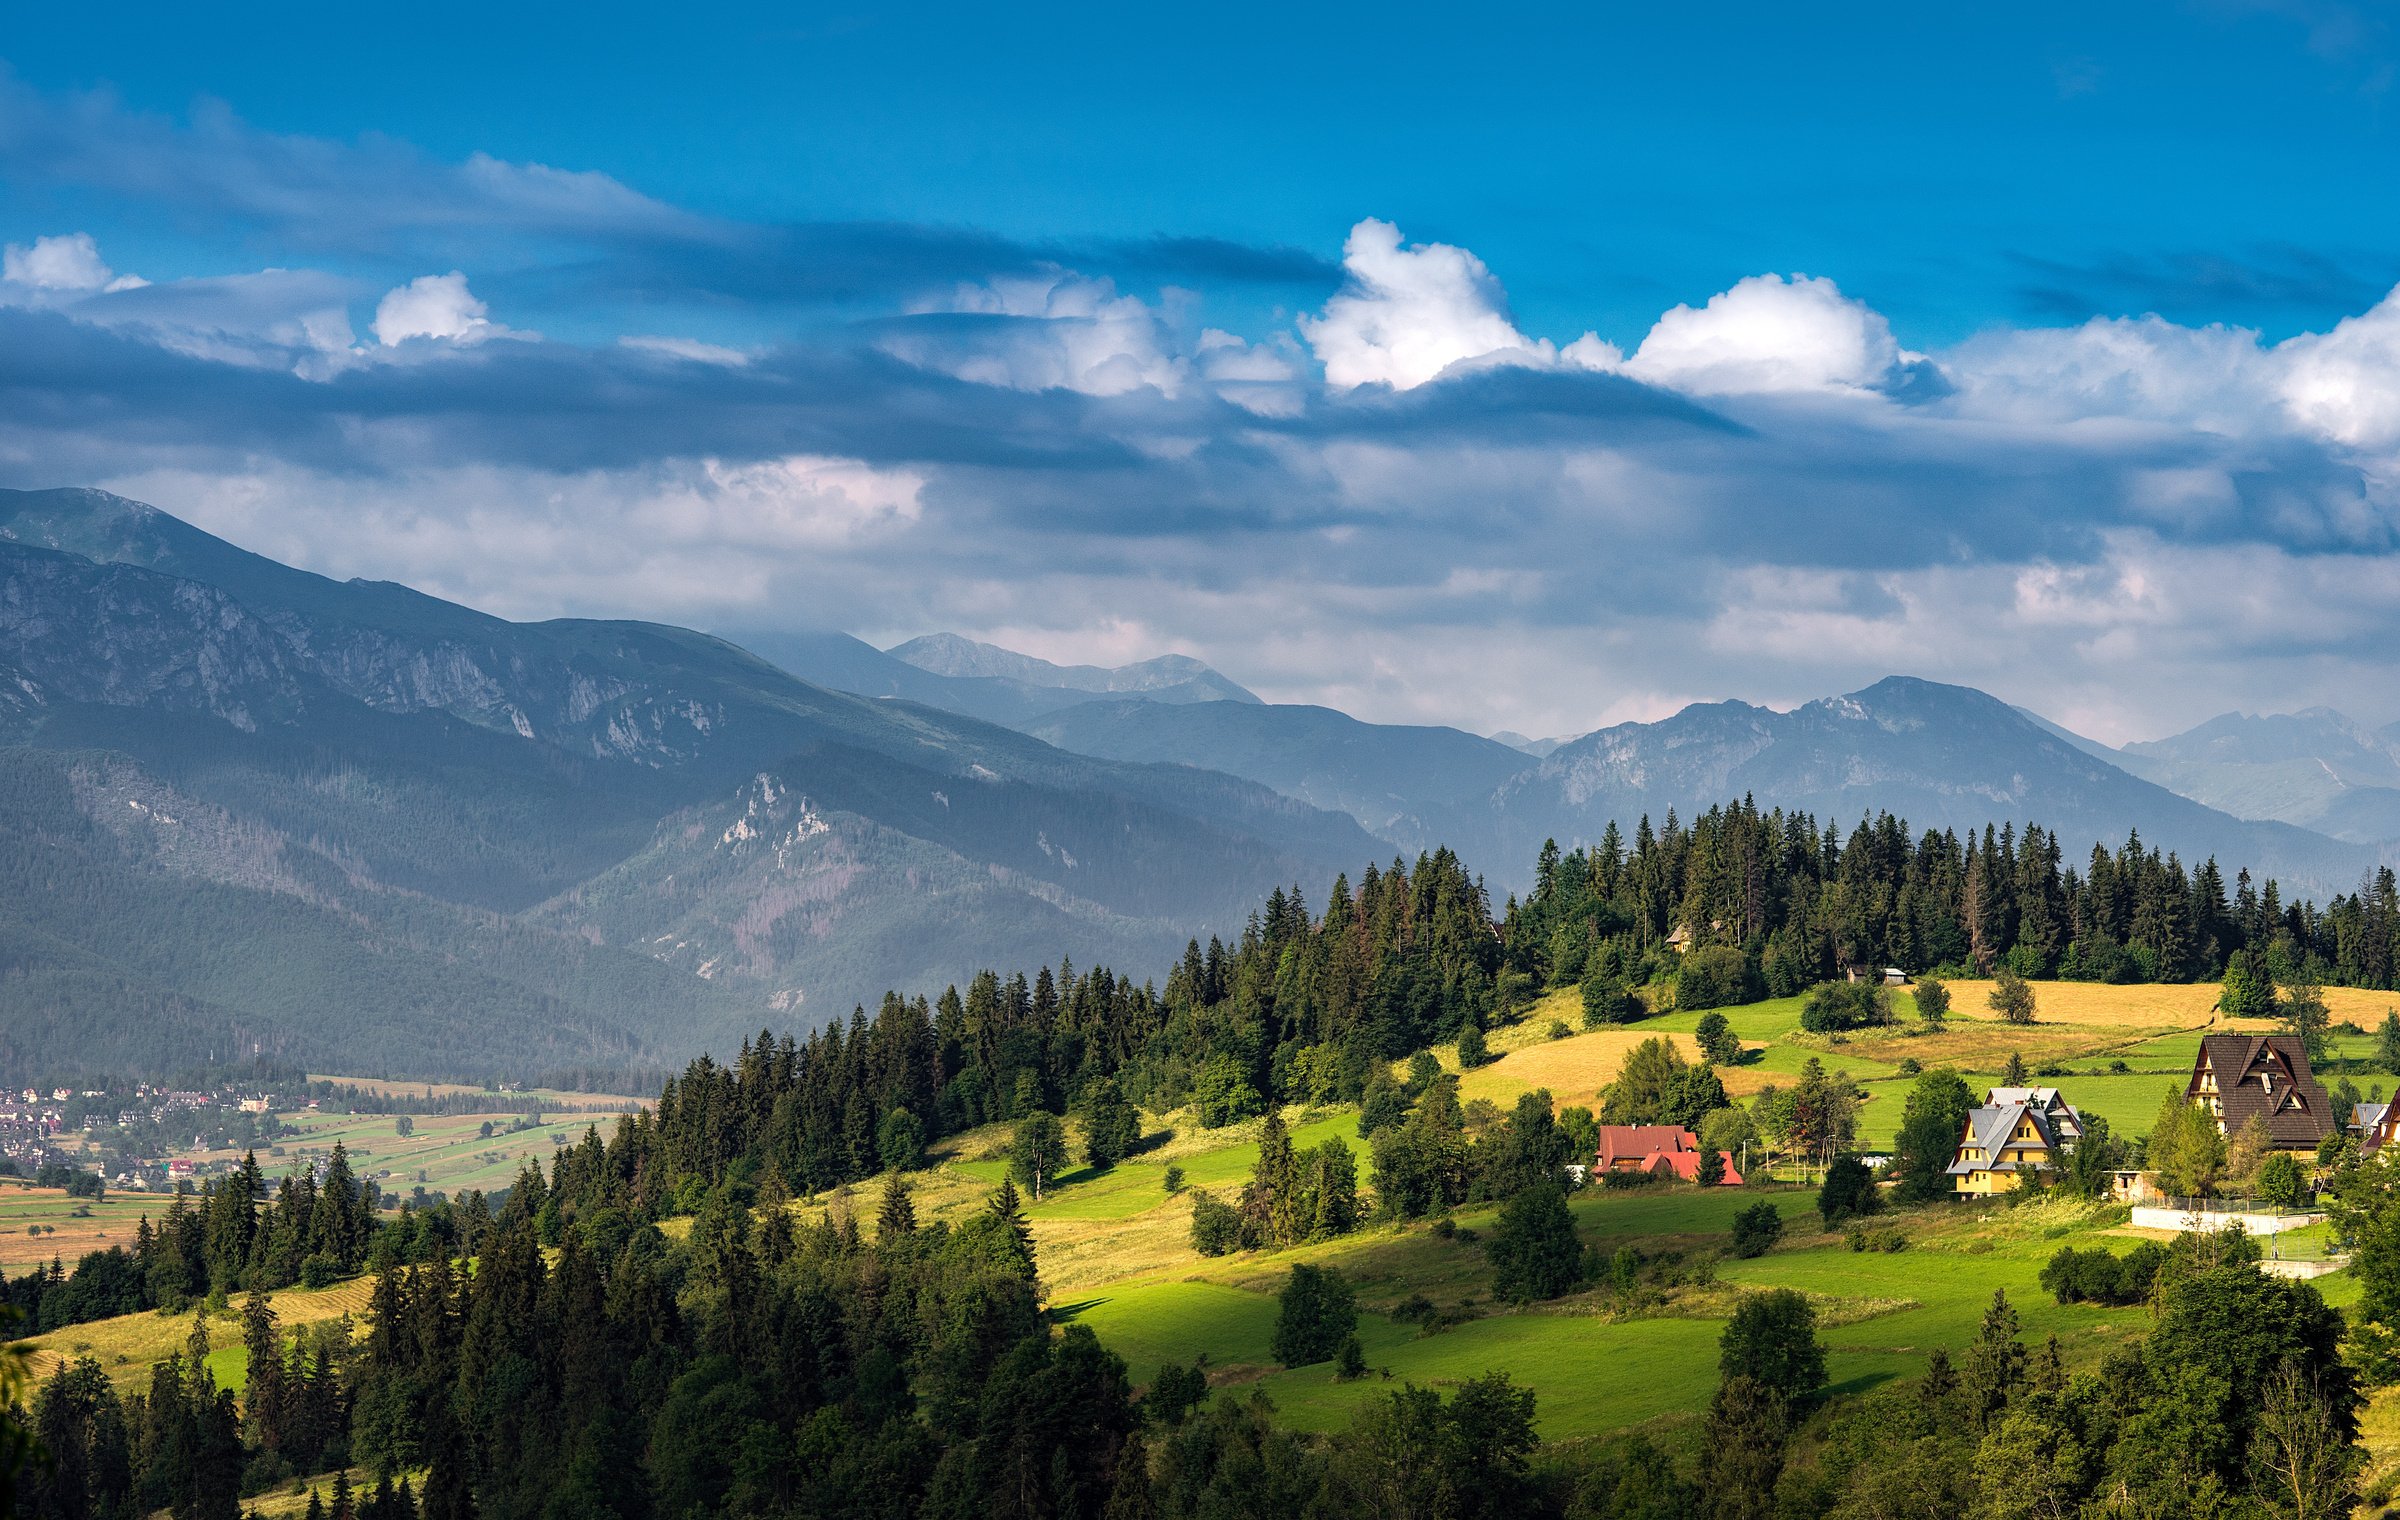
1994,1366
896,1217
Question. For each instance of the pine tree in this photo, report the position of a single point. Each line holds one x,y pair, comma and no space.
1995,1364
1008,1210
1271,1202
896,1218
1112,1127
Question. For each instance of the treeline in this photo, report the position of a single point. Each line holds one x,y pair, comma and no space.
1299,1008
1802,903
1309,1008
765,1368
759,1369
233,1236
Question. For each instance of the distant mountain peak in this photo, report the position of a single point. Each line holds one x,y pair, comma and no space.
951,654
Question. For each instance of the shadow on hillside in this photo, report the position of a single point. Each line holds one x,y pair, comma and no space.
1863,1383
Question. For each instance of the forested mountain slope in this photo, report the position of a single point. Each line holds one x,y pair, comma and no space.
422,789
1943,756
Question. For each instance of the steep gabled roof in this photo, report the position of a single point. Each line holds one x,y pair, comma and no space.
2265,1076
1992,1129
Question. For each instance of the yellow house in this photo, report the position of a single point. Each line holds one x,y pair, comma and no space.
2001,1137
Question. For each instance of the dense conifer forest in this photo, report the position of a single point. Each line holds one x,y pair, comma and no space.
587,1364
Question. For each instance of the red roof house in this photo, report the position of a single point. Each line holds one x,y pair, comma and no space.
1651,1147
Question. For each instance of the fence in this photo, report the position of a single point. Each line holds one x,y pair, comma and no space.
2258,1218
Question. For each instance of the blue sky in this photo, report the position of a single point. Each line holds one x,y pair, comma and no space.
1073,329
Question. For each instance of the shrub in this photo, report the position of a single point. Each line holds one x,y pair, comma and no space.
319,1271
1933,1000
1350,1362
1216,1226
1174,1393
1315,1313
1756,1229
1838,1006
1849,1190
1472,1052
1606,1000
1174,1178
1558,1030
1534,1251
1415,1309
2098,1277
1716,976
1718,1043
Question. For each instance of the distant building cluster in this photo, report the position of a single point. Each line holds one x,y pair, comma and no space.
29,1125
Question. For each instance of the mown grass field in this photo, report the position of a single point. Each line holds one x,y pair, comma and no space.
445,1152
127,1346
68,1227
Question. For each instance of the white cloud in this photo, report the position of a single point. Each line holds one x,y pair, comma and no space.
689,349
69,265
1408,314
1770,334
690,540
2345,384
1054,331
2214,378
433,306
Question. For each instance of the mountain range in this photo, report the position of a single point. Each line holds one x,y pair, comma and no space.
245,809
344,821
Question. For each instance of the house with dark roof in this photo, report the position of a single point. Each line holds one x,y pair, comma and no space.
2012,1130
2065,1123
2381,1127
1668,1148
2242,1077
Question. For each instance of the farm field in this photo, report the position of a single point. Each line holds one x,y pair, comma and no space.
69,1226
127,1346
382,1087
444,1153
